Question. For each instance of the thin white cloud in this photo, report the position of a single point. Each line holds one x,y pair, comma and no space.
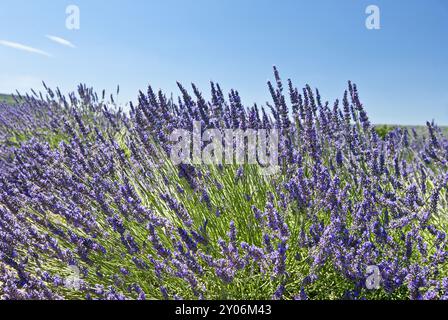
61,41
23,47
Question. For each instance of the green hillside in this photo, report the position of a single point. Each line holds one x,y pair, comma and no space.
6,98
383,129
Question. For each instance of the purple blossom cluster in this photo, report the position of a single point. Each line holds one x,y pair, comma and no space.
88,186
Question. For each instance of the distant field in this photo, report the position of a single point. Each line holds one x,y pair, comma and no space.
6,98
421,129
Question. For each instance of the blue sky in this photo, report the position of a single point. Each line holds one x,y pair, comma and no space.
401,70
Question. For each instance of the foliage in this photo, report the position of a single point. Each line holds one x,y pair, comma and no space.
84,186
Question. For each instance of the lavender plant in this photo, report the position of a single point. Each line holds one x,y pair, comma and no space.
91,188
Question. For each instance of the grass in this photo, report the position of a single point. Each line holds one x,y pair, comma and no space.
384,129
6,98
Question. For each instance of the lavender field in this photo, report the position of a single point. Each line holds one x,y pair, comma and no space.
93,207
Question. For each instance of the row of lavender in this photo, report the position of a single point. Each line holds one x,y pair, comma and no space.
91,207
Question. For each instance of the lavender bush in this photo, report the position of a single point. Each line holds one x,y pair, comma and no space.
92,207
